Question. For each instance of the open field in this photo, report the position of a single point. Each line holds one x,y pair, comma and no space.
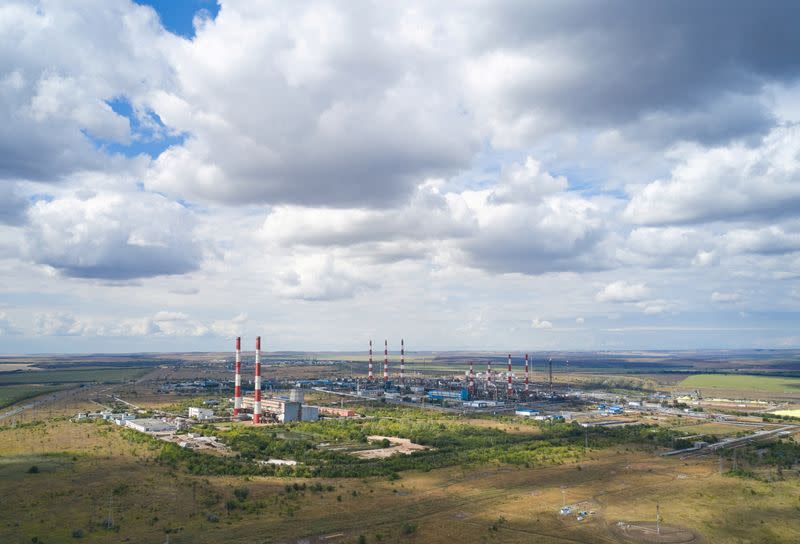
791,413
483,479
78,375
10,394
732,382
719,429
92,473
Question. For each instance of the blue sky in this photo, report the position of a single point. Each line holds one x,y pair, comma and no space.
177,15
498,176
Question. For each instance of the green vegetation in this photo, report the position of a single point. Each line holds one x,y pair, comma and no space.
11,394
323,448
783,454
81,375
771,384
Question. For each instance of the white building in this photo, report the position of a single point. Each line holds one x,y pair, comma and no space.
122,418
149,425
201,413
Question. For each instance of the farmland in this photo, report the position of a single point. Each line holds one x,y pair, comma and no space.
76,375
769,384
11,394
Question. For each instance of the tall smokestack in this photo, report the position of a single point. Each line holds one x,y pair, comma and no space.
385,361
402,362
510,389
237,384
527,374
471,378
369,375
257,392
489,372
550,362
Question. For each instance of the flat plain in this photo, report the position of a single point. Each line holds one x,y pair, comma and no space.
88,481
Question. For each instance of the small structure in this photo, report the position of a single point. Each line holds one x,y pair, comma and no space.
334,411
122,418
200,414
296,395
309,413
526,412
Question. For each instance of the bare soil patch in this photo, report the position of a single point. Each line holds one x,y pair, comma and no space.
398,445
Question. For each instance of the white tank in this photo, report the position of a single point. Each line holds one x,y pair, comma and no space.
296,395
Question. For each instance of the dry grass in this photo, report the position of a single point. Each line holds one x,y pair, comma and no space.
72,491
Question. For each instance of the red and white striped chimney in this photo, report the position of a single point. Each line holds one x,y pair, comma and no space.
402,361
471,378
257,385
489,372
510,388
385,361
527,374
237,383
369,374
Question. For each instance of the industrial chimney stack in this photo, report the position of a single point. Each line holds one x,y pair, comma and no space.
402,362
527,375
237,384
471,378
369,375
385,361
510,389
257,385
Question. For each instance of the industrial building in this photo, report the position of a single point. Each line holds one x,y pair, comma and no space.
284,410
201,414
333,411
462,395
150,425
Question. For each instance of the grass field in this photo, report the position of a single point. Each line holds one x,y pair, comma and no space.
11,394
79,375
791,413
719,429
771,384
91,473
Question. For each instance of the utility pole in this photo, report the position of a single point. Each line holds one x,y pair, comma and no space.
110,520
658,518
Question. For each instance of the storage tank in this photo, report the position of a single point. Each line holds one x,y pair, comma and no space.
296,395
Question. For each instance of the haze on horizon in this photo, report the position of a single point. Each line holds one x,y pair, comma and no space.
488,175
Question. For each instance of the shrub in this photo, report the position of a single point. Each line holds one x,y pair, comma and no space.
33,470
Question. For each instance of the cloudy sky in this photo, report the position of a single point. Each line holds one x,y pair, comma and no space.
482,175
